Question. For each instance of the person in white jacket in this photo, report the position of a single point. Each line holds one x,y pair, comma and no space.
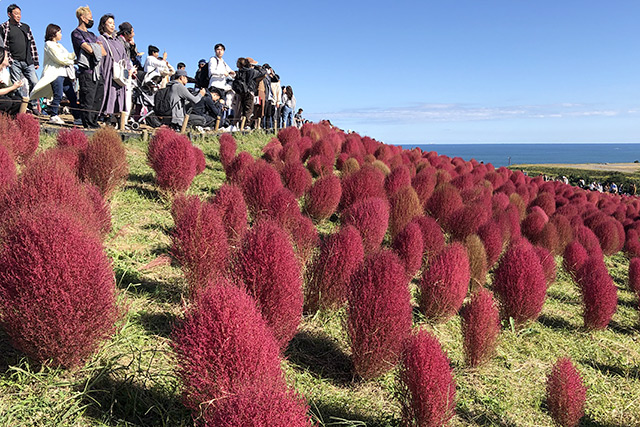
219,73
57,71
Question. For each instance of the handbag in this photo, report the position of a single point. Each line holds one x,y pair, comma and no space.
119,72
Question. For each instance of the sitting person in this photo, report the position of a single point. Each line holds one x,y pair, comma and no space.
155,66
180,98
10,97
210,108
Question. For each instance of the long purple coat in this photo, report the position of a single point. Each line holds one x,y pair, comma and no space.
114,94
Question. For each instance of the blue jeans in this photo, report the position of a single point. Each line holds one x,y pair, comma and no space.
20,69
287,116
64,85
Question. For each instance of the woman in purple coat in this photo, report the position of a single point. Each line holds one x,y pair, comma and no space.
114,95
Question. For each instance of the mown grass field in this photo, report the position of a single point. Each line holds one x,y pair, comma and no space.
131,381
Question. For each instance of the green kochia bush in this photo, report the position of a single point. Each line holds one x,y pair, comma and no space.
378,314
57,288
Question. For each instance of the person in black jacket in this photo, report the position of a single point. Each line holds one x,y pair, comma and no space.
202,75
210,108
245,86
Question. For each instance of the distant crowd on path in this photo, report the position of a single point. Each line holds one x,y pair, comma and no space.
627,189
103,79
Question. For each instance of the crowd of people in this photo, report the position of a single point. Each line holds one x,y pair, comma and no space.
628,188
104,80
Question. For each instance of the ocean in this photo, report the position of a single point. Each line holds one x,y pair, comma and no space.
513,154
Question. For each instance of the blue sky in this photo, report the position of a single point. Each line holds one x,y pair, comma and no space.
415,71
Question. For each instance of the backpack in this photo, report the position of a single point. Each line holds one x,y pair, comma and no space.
239,86
162,102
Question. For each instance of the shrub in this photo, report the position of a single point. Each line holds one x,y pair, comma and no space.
269,268
304,147
589,240
566,393
199,241
426,384
478,268
409,246
259,186
634,275
239,168
424,183
329,275
444,201
104,162
467,220
574,257
360,185
399,177
548,263
632,244
445,282
101,208
432,235
320,165
228,149
75,138
172,158
371,218
233,211
563,230
350,166
272,151
57,289
224,348
405,206
288,135
480,327
283,209
599,293
546,201
378,314
29,138
8,173
491,236
519,283
44,181
296,178
201,162
323,197
304,237
607,234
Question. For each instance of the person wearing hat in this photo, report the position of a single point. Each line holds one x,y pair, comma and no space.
202,75
181,100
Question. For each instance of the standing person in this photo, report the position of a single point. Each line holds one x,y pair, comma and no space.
202,75
57,73
276,92
289,104
219,71
89,52
245,86
297,119
114,100
155,66
126,35
10,99
18,39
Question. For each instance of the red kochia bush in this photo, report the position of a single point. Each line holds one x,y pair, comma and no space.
288,135
444,201
57,289
427,387
172,158
104,162
566,393
491,236
75,138
233,210
323,197
432,235
634,275
296,178
445,282
228,148
320,165
480,327
8,175
199,241
608,236
329,275
519,283
574,257
201,162
548,263
378,314
239,168
260,185
226,352
360,185
599,293
371,218
27,143
405,206
269,268
398,178
409,246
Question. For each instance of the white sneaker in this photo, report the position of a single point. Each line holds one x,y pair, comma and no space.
56,120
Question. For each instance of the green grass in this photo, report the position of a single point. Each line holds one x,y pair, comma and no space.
131,381
575,175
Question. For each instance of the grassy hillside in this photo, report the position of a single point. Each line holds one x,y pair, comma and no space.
131,381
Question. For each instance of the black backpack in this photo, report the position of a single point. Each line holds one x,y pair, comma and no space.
162,103
239,86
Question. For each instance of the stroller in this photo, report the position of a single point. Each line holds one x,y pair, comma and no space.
143,99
